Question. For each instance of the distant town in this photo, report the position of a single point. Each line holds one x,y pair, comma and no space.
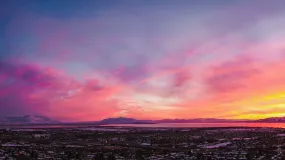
38,137
129,143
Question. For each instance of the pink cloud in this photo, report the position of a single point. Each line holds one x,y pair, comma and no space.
198,63
231,76
27,88
237,87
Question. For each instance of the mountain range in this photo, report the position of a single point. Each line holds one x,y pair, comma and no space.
38,119
27,119
273,120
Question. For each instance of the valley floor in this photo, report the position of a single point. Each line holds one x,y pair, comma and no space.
143,143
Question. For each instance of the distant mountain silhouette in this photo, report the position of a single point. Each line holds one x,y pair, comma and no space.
123,120
28,119
198,120
272,119
38,119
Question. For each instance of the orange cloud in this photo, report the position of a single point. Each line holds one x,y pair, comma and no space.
241,88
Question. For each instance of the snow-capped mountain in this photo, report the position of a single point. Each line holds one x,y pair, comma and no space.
27,119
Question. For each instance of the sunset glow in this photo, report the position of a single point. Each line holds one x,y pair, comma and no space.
88,60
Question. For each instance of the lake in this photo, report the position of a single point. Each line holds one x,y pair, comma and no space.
162,125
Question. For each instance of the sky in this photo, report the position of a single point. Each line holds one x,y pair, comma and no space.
88,60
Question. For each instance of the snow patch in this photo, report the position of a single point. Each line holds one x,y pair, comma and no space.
217,145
